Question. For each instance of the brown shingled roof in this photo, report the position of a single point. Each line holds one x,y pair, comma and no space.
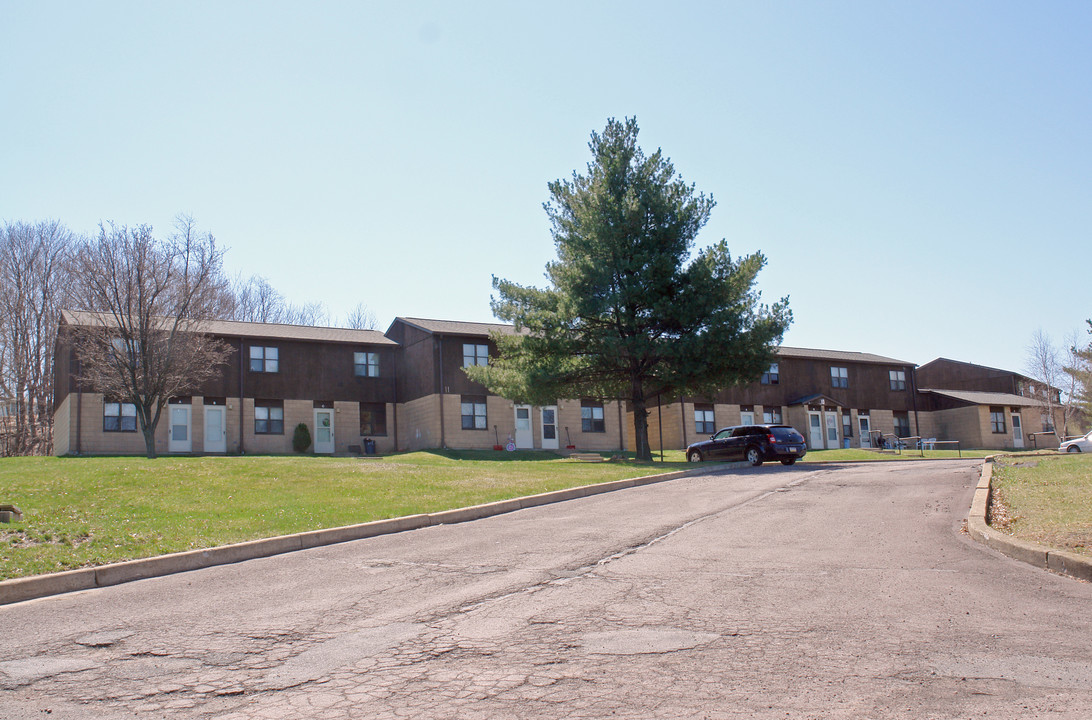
276,331
454,327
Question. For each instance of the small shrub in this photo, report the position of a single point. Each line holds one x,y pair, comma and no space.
301,438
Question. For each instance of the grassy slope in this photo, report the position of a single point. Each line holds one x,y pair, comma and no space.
90,511
1045,499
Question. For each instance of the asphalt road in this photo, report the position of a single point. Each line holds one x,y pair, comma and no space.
829,592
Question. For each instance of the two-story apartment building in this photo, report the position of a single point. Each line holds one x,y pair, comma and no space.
405,389
340,383
834,398
441,407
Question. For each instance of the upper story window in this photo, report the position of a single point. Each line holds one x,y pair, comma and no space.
898,379
591,416
119,417
366,364
264,359
475,354
839,377
771,376
704,423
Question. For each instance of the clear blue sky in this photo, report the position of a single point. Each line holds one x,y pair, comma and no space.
917,173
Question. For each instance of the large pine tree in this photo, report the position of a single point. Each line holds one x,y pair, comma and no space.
628,314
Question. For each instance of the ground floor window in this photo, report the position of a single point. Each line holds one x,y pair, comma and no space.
472,409
373,419
268,417
771,416
902,424
119,417
591,416
704,423
847,425
997,419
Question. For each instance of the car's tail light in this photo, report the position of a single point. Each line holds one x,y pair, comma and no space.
771,438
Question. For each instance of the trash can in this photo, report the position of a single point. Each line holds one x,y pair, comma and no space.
369,446
845,443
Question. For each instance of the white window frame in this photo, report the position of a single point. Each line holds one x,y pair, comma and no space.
368,362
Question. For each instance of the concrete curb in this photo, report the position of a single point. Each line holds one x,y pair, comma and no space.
29,588
1040,556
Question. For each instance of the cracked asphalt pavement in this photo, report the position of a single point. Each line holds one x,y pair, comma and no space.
802,592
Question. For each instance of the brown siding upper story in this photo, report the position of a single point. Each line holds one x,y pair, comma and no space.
944,374
869,385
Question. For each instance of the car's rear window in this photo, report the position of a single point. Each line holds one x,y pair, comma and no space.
786,433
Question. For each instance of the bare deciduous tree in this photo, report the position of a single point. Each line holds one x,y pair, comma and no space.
33,289
1056,389
361,318
143,344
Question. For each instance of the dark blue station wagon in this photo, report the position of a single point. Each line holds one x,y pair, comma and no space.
754,443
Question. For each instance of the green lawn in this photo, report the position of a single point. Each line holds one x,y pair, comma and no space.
79,512
1045,499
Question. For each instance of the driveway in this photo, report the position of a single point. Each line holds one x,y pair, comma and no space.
802,592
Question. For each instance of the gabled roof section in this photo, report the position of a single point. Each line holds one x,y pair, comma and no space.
817,399
454,327
986,398
839,356
269,331
941,360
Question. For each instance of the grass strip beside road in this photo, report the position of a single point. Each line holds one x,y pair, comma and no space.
1045,499
81,512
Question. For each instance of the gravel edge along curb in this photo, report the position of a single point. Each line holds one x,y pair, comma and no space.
1041,556
36,586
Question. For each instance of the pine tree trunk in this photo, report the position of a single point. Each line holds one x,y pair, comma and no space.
640,423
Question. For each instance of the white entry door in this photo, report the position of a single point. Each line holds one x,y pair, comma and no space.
832,430
549,428
178,434
215,431
746,418
866,430
815,431
525,436
1017,432
324,431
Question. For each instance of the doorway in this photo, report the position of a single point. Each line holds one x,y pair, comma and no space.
215,431
324,431
815,431
1017,432
178,434
865,425
525,436
549,428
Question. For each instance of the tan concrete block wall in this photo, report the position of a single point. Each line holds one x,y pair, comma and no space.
962,424
295,412
62,423
232,425
498,411
346,426
419,423
568,413
94,441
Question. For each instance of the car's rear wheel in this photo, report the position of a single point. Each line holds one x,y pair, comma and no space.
1073,448
694,456
754,456
788,461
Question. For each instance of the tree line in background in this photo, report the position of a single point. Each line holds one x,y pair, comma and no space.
1066,368
150,294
